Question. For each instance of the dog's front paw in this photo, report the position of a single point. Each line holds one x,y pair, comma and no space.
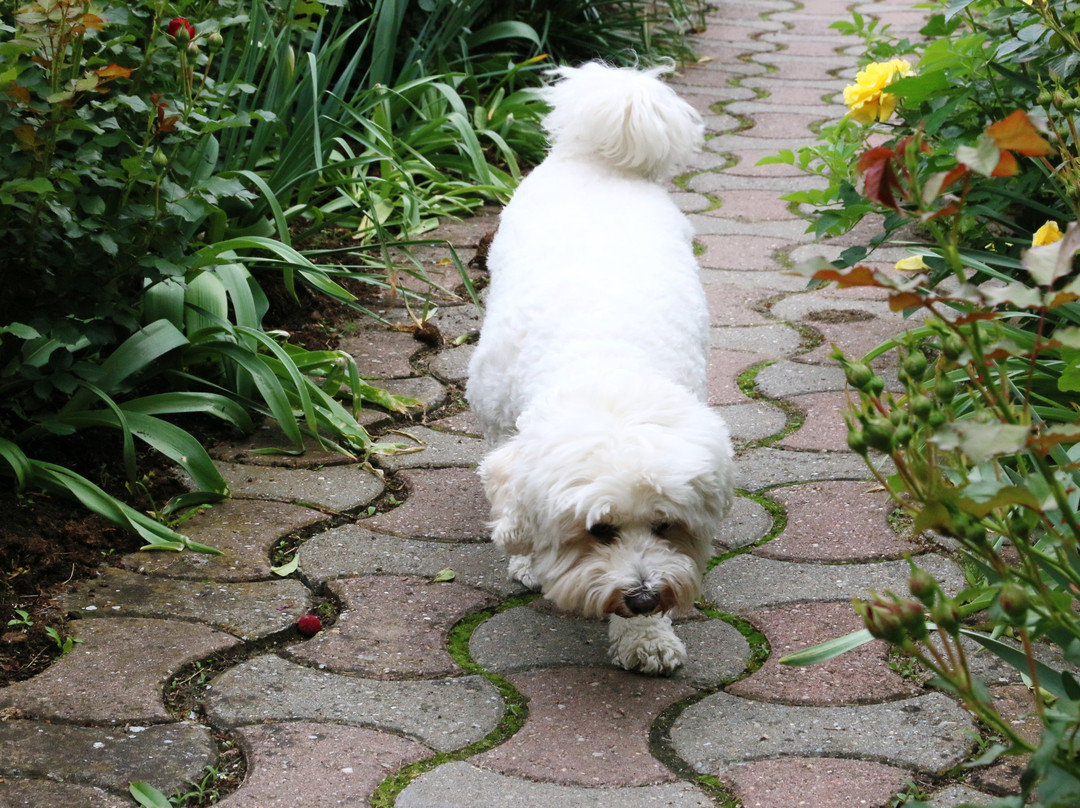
645,644
520,568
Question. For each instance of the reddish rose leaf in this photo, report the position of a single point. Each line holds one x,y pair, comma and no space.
904,300
856,276
1017,133
114,71
1006,166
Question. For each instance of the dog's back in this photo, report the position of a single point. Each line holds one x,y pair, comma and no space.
592,268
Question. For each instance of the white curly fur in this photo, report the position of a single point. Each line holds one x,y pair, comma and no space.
589,377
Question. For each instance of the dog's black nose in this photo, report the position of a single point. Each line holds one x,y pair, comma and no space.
643,601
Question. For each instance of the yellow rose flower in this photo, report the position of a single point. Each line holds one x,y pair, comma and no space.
1047,234
865,100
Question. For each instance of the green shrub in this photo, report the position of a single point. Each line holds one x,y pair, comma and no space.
160,162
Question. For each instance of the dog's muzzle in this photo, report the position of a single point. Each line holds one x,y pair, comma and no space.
642,601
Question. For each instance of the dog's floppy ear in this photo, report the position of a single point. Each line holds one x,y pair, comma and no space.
501,485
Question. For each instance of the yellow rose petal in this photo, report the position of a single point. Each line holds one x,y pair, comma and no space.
914,263
1047,234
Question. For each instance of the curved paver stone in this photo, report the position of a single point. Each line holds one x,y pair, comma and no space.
732,305
306,765
351,550
929,733
750,582
429,392
47,794
463,422
835,521
244,531
767,467
859,676
116,674
168,756
445,714
457,321
856,339
768,341
724,369
816,782
460,785
705,224
586,727
786,378
691,203
269,436
382,353
824,428
392,627
753,420
746,523
444,504
959,795
522,638
246,609
451,365
437,449
742,253
332,488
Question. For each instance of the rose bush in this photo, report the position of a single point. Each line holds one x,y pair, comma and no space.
977,167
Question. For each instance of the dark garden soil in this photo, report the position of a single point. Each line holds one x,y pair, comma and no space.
47,541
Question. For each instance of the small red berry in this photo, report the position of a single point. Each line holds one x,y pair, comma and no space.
309,625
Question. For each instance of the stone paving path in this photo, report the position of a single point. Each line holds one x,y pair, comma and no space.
186,657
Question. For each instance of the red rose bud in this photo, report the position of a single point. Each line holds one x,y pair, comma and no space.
912,618
309,625
881,621
1013,600
181,30
922,585
946,616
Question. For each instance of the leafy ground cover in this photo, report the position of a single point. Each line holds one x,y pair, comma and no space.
184,184
963,147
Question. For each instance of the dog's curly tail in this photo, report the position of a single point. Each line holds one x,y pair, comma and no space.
622,115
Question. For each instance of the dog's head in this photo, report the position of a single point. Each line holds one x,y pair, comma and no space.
617,500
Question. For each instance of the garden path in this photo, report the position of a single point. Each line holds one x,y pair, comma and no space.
185,657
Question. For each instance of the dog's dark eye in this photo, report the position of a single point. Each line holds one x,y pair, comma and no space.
661,528
603,532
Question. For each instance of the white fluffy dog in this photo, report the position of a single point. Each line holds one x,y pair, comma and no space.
608,474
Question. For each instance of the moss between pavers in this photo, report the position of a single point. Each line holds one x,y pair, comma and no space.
513,719
779,521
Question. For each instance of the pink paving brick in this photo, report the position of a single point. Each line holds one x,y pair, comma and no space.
442,504
586,727
815,783
733,305
751,205
742,252
310,765
782,124
392,627
117,671
824,428
835,521
859,676
724,369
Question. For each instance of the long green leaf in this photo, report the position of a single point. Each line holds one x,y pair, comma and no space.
1049,679
828,649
